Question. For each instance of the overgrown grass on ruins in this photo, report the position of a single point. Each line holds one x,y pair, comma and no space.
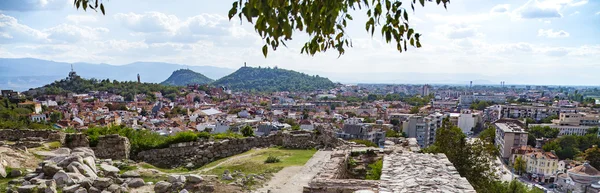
253,161
141,140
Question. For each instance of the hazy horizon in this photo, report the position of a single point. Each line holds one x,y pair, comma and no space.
533,42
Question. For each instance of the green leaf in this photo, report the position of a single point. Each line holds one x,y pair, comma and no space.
406,15
265,49
410,32
85,5
102,9
388,4
422,2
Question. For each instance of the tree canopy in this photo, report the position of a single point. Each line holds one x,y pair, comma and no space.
324,22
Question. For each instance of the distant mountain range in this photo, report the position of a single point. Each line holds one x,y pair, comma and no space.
273,79
24,73
184,77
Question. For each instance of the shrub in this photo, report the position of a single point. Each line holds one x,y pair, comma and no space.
351,162
54,145
272,159
374,172
181,137
364,142
247,131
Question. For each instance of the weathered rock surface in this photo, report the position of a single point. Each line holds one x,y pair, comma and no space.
176,178
130,174
136,182
193,178
102,183
162,187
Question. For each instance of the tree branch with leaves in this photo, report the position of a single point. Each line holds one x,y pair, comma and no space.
325,21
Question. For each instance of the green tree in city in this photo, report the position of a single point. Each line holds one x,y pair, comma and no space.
592,155
520,165
247,131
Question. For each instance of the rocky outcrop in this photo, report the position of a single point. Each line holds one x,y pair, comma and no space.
113,147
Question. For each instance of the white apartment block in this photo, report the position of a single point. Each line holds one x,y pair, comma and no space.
509,134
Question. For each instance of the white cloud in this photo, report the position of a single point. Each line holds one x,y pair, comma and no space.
156,27
574,13
73,33
458,31
81,18
535,9
502,8
598,13
545,8
553,34
11,31
149,22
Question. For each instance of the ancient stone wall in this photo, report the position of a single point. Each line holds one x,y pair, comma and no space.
17,134
112,147
73,140
200,153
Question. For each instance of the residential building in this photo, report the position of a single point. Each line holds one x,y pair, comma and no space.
579,179
509,133
543,166
469,120
363,132
534,112
38,117
573,123
466,100
423,128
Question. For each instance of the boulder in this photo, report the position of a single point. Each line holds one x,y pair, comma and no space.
50,169
27,189
84,151
227,177
193,178
16,173
81,190
176,178
62,178
94,190
69,159
162,187
2,171
83,169
102,183
136,183
114,188
109,169
50,186
78,178
130,174
30,176
184,191
90,162
71,189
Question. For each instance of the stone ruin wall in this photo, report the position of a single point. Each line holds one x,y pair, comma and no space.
332,179
18,134
203,152
74,140
112,147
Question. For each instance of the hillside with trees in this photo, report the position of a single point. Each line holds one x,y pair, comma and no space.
184,77
273,79
127,89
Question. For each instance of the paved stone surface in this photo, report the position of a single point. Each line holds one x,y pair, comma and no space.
417,172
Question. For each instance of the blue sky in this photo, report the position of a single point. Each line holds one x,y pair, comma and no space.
517,41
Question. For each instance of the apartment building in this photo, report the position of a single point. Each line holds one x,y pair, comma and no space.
573,123
466,100
510,133
534,112
423,127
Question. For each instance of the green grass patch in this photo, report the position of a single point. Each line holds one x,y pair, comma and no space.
54,145
364,142
174,170
374,172
255,163
154,178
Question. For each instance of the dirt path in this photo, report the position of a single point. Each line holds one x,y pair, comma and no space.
292,179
